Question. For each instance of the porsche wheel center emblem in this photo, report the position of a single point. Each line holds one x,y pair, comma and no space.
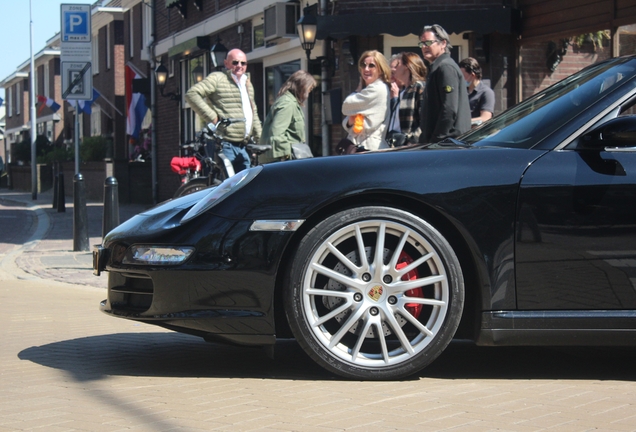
375,292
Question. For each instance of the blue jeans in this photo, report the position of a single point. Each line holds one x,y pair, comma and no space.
238,155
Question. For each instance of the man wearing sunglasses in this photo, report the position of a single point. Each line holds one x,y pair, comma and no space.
229,94
445,109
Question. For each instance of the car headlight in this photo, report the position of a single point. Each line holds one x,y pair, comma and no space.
157,255
222,191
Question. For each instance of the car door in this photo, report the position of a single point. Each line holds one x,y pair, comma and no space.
576,231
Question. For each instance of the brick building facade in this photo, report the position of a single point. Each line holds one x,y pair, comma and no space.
523,46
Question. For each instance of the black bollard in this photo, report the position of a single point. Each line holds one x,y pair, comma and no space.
111,206
55,179
59,192
80,218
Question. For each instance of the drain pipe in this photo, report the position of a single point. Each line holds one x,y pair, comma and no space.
324,75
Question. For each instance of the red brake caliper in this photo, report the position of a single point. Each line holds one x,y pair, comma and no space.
403,261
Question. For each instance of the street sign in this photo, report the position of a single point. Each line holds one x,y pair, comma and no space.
76,23
76,52
78,77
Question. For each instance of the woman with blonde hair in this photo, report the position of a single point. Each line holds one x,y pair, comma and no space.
366,110
285,123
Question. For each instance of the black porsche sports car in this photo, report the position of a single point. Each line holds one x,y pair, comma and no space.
520,232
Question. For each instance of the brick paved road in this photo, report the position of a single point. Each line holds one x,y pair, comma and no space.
64,366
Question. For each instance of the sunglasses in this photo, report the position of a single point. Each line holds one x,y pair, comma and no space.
236,63
369,65
427,43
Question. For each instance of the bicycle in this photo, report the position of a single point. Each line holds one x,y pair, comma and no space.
202,170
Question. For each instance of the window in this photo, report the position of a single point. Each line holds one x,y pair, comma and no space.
626,39
191,121
259,33
275,76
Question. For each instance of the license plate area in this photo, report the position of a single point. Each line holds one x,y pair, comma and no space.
100,256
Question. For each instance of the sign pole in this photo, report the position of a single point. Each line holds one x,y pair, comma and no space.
77,82
76,134
34,128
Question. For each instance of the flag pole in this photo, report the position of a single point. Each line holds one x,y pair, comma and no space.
34,174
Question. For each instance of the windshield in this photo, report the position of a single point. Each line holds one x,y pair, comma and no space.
528,123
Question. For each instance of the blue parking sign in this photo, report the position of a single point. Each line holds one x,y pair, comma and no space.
76,23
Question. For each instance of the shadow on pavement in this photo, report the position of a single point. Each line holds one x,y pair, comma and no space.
179,355
171,355
16,225
464,360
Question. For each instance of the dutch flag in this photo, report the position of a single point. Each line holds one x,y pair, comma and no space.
45,101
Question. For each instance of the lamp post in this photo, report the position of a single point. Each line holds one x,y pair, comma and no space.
218,53
162,75
307,33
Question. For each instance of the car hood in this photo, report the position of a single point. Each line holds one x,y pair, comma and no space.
297,189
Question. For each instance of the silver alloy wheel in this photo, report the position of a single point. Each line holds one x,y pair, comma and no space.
375,293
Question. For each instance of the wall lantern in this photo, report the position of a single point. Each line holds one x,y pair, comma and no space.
307,32
218,53
197,74
162,75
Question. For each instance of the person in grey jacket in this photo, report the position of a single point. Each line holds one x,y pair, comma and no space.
285,123
445,109
229,94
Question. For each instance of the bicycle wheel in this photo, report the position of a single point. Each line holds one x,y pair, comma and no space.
194,185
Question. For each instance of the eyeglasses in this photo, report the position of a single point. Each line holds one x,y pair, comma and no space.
236,63
368,65
427,43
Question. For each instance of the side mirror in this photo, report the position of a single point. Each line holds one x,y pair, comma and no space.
619,132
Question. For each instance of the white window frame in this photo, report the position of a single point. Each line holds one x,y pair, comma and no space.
46,86
95,64
108,47
131,33
96,120
146,25
18,96
9,102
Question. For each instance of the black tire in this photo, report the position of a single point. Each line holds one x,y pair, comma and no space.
362,320
193,185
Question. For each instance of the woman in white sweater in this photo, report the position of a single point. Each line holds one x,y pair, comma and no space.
371,100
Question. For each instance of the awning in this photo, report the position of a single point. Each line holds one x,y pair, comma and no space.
484,21
195,44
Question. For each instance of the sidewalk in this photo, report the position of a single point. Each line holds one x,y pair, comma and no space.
48,253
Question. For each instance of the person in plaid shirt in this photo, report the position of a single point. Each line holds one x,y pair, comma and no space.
408,76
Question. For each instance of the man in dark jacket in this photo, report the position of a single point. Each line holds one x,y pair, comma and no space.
445,109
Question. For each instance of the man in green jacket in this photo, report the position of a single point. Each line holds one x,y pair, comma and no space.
229,94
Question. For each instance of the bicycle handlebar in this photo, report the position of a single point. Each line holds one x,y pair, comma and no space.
225,122
192,144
